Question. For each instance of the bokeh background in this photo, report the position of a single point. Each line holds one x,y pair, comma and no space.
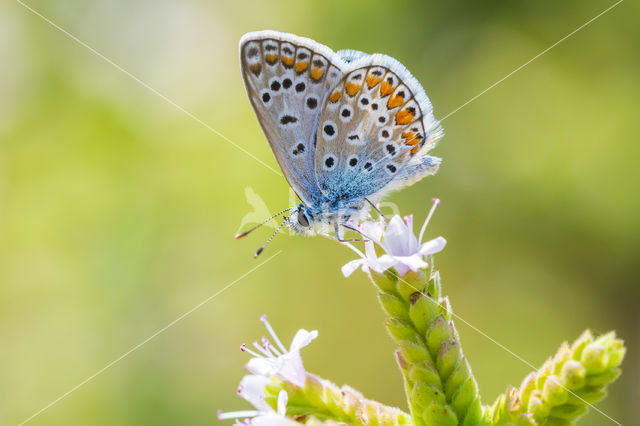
118,210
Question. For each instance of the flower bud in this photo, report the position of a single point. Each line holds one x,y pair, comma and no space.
574,374
595,358
437,333
422,310
537,405
554,391
440,415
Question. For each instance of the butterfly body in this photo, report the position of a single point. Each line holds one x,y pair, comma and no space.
346,128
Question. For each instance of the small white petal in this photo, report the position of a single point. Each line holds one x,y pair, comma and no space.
370,250
373,230
409,222
434,246
402,269
252,389
383,263
237,414
414,262
292,370
263,366
397,238
350,267
302,339
282,402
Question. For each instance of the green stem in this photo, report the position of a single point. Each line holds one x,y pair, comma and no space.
440,386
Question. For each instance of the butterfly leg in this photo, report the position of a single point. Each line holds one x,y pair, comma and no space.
377,210
336,230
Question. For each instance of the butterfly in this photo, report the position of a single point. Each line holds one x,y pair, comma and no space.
346,127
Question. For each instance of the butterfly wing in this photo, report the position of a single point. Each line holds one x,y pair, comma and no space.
288,79
375,130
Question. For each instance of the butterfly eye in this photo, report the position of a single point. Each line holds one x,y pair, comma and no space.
303,220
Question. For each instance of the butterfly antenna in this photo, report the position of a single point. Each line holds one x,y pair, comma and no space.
257,253
245,233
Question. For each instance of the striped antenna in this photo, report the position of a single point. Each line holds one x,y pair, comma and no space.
245,233
257,253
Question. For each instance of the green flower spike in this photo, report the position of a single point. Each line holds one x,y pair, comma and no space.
440,387
563,389
438,380
322,402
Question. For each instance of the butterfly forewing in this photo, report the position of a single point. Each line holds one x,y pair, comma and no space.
288,79
376,126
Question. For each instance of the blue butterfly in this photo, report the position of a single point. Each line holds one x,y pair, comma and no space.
346,128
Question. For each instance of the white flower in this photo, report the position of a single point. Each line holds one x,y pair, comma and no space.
252,389
403,251
271,361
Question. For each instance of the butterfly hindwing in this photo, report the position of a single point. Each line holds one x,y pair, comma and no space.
376,126
288,79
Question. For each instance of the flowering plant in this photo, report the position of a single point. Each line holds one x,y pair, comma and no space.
403,251
439,384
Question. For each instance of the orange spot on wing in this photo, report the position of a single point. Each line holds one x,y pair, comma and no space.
287,61
372,80
301,66
415,149
404,116
335,96
395,101
352,88
410,137
316,73
255,69
385,88
271,58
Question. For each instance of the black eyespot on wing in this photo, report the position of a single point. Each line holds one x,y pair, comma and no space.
312,103
266,97
374,106
391,168
300,147
300,86
317,63
385,133
286,119
353,162
391,149
345,113
253,51
329,130
377,73
302,55
382,119
275,85
329,162
270,48
368,166
364,101
286,83
287,50
353,137
356,76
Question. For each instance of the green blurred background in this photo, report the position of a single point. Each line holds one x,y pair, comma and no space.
118,210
